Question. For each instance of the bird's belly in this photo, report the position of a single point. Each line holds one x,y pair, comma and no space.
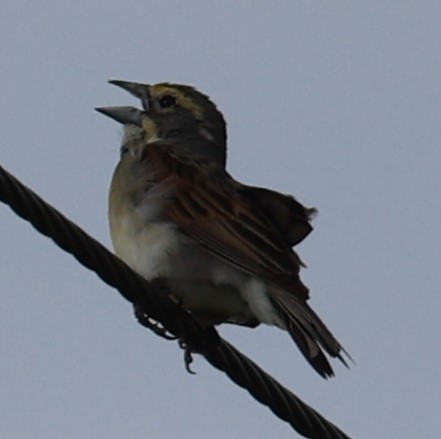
199,281
195,283
211,303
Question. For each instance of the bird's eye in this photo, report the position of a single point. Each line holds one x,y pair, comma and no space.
167,101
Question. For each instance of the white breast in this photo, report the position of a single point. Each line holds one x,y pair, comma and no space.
146,248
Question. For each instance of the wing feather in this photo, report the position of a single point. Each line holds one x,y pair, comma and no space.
212,208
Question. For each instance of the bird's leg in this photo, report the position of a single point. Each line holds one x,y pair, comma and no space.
188,356
146,321
161,286
158,329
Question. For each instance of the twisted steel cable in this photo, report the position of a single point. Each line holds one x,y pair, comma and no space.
174,319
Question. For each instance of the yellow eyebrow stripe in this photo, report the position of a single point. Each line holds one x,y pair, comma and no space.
183,100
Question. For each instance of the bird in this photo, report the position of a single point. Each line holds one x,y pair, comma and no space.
225,249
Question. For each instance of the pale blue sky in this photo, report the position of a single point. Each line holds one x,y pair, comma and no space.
335,102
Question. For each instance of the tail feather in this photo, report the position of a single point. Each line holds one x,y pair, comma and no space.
309,348
309,333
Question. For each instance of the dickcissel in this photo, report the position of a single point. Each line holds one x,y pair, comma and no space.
224,248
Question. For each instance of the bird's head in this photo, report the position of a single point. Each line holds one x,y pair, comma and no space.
183,103
173,111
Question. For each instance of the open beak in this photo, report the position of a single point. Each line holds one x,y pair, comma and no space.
124,115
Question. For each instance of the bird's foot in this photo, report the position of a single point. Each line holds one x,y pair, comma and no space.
188,356
146,321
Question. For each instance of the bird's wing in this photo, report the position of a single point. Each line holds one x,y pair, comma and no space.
292,219
214,210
